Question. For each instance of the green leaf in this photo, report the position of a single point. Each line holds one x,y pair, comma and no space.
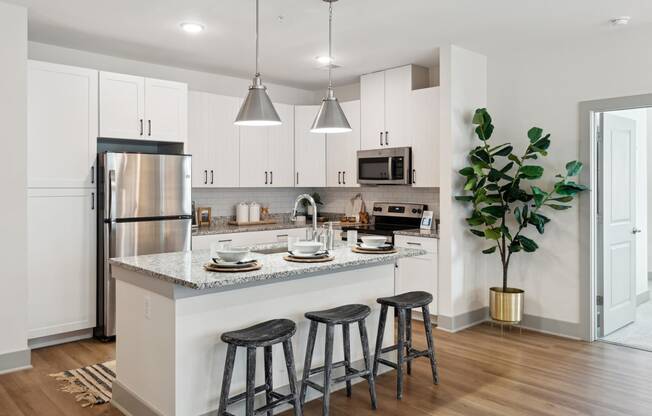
464,198
507,167
489,250
479,116
515,247
515,159
494,175
470,183
505,151
493,199
528,245
492,233
496,211
539,195
539,221
558,207
517,215
569,188
531,172
492,187
562,199
534,134
468,171
573,168
479,233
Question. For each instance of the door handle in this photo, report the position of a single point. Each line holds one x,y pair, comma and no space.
149,127
92,201
339,178
343,177
381,138
205,177
212,177
271,177
414,176
636,231
386,138
141,127
265,177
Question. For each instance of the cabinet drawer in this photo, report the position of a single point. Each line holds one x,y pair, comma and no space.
423,243
200,242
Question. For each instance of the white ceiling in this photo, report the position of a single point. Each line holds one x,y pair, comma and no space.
368,34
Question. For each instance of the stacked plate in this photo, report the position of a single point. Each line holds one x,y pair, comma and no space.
318,255
219,265
382,247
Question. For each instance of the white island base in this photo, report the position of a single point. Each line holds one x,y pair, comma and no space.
169,354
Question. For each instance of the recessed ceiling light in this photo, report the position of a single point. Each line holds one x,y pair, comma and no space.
190,27
324,60
620,21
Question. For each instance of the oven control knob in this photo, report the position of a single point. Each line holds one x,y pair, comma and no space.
415,211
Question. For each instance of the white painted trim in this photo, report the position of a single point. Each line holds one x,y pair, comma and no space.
15,361
47,341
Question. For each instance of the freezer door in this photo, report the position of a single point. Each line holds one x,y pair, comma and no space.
125,239
138,185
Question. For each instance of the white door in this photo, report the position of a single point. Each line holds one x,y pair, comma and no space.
253,157
619,228
122,106
61,260
197,144
281,149
398,86
61,126
309,149
223,141
424,127
372,102
341,157
166,110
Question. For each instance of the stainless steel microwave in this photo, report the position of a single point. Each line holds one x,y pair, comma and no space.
385,166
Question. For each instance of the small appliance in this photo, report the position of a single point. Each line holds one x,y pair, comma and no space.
390,166
387,218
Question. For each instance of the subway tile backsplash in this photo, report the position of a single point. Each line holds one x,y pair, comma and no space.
222,201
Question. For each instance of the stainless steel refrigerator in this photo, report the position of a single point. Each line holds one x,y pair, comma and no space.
144,208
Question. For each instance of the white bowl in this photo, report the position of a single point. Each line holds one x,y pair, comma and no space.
373,241
232,254
306,247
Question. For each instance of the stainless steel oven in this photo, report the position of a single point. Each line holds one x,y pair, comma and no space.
385,166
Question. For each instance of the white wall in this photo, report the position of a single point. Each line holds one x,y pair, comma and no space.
196,80
649,191
543,86
640,116
13,174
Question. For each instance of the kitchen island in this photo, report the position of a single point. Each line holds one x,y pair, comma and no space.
170,314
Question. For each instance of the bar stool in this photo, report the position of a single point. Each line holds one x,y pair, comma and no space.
262,335
404,303
342,315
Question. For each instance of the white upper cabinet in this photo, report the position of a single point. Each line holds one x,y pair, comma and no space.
61,126
385,99
424,124
342,148
309,149
213,140
140,108
267,153
122,106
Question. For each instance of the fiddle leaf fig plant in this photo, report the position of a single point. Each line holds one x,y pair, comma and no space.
505,205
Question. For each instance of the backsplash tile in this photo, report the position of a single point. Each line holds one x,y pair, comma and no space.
335,199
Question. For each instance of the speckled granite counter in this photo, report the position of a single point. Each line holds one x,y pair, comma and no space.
223,228
418,233
186,268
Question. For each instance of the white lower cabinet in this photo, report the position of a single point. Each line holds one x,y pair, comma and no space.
200,242
418,273
61,253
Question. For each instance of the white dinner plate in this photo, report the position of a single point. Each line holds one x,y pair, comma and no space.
234,264
381,247
308,256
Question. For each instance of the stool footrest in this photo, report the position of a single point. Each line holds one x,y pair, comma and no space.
387,362
281,400
242,395
389,349
314,386
316,370
416,354
351,374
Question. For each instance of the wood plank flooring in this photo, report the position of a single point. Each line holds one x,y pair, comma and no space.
482,373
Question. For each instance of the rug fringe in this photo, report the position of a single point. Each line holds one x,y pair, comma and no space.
82,393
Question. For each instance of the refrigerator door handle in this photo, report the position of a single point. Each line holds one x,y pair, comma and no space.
111,183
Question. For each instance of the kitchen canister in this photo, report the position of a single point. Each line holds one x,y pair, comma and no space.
254,212
242,212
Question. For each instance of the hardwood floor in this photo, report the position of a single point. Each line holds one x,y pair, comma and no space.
481,372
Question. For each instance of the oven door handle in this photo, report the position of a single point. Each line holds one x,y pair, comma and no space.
390,161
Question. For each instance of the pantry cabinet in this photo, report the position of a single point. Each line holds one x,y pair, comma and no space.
424,126
267,153
418,273
138,108
341,150
309,149
385,97
213,140
61,126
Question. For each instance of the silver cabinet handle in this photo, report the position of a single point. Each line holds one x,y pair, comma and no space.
212,177
282,235
381,138
414,176
92,200
224,241
387,138
271,177
413,244
265,177
205,177
141,126
149,127
344,177
339,178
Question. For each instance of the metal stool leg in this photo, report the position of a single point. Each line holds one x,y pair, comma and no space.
328,369
408,338
251,381
347,355
431,344
400,353
312,336
226,379
269,382
289,364
379,337
364,339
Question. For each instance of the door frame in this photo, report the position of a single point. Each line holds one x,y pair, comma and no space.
588,203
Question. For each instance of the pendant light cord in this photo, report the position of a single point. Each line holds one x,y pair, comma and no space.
330,45
257,24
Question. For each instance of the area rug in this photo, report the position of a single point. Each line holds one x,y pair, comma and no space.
91,385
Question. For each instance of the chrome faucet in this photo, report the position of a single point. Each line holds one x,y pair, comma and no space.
314,212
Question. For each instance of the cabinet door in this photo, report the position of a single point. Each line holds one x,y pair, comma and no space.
342,150
418,273
281,149
253,157
309,149
198,141
398,86
372,102
61,126
61,261
424,123
223,141
122,106
166,110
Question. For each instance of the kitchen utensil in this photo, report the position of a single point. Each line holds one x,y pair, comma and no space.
213,267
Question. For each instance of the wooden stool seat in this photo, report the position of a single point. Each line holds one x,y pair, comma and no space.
407,300
262,334
345,314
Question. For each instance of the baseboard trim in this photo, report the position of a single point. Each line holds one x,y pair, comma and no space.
642,297
130,403
466,320
15,361
50,340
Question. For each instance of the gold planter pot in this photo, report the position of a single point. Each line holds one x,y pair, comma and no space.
506,306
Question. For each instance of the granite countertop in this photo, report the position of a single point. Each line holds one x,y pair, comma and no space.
417,232
224,228
186,268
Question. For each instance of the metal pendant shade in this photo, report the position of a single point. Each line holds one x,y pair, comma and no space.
330,117
257,109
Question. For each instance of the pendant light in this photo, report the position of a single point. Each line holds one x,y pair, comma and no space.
257,109
330,117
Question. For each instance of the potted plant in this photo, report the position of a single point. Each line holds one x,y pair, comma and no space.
505,207
308,207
